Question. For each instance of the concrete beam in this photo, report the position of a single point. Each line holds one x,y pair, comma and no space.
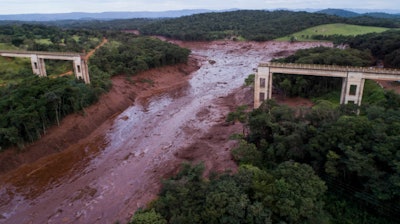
312,72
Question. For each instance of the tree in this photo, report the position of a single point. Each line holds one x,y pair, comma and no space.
297,192
247,153
147,217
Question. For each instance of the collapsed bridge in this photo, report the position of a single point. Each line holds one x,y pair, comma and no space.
81,70
352,85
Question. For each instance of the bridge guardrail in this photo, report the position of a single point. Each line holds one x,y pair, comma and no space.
70,54
331,67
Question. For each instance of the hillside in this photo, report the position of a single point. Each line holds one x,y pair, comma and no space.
339,12
352,14
248,24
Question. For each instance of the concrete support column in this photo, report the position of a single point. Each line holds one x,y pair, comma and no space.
85,71
353,88
81,69
262,86
343,93
38,65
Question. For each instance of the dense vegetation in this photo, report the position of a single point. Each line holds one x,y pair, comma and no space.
319,165
129,55
355,155
384,46
29,107
251,196
118,24
250,25
29,104
48,38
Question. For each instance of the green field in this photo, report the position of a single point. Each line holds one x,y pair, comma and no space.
43,41
6,46
332,29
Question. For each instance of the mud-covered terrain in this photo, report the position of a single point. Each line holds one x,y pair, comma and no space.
101,165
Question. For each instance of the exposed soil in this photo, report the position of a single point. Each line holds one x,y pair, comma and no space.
88,55
101,165
395,86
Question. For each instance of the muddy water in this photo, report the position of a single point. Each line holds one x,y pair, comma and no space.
121,171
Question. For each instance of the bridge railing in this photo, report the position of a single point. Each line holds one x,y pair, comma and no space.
69,54
331,68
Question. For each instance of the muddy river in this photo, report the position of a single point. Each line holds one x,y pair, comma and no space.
118,171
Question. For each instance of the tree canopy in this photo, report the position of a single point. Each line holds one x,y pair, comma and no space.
384,46
256,25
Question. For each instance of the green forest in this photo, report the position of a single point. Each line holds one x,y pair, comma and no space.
250,25
259,25
30,104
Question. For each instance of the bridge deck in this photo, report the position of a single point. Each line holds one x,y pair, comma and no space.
334,68
28,53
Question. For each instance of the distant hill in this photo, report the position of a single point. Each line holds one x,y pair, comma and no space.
44,17
351,14
101,16
339,12
383,15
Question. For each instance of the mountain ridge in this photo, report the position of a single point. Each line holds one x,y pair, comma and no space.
102,15
44,17
349,13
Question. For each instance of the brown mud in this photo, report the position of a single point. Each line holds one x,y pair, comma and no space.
103,164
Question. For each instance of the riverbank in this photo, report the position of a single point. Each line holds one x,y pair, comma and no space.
124,92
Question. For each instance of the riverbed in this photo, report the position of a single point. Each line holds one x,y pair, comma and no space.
119,167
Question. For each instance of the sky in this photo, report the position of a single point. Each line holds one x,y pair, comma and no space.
64,6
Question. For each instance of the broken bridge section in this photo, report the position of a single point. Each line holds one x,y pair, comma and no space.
353,78
38,65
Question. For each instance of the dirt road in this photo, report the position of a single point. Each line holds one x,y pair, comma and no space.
117,168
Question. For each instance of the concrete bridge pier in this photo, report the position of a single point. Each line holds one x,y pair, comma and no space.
352,88
38,65
81,69
262,86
